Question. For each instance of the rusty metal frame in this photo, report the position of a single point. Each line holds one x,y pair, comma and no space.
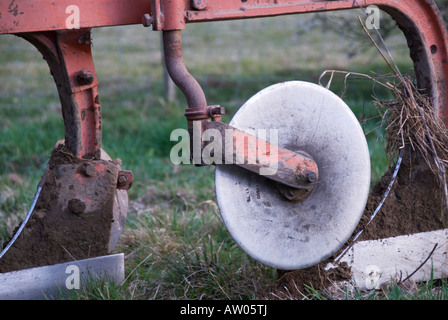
67,51
68,54
420,21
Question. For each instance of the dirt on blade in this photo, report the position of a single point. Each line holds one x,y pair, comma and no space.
73,216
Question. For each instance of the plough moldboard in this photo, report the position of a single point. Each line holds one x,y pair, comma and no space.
291,212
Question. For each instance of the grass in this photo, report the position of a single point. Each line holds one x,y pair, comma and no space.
175,243
430,290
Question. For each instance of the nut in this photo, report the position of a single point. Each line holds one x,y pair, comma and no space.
122,180
291,194
125,180
147,20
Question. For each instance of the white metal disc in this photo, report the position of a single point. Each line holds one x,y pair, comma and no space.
285,234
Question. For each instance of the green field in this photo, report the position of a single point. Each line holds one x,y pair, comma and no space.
175,243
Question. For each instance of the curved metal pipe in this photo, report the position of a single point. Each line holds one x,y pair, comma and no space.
172,46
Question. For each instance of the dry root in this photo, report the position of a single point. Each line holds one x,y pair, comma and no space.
410,120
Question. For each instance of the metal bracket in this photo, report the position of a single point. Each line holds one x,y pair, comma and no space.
68,54
291,169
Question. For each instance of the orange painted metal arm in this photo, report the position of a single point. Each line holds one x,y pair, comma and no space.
17,16
68,55
262,157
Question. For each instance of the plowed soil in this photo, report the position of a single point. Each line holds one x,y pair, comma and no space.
414,204
73,215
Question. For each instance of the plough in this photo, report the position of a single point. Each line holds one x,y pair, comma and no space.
293,206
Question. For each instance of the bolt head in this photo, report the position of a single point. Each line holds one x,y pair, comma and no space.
85,77
77,206
199,4
87,169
